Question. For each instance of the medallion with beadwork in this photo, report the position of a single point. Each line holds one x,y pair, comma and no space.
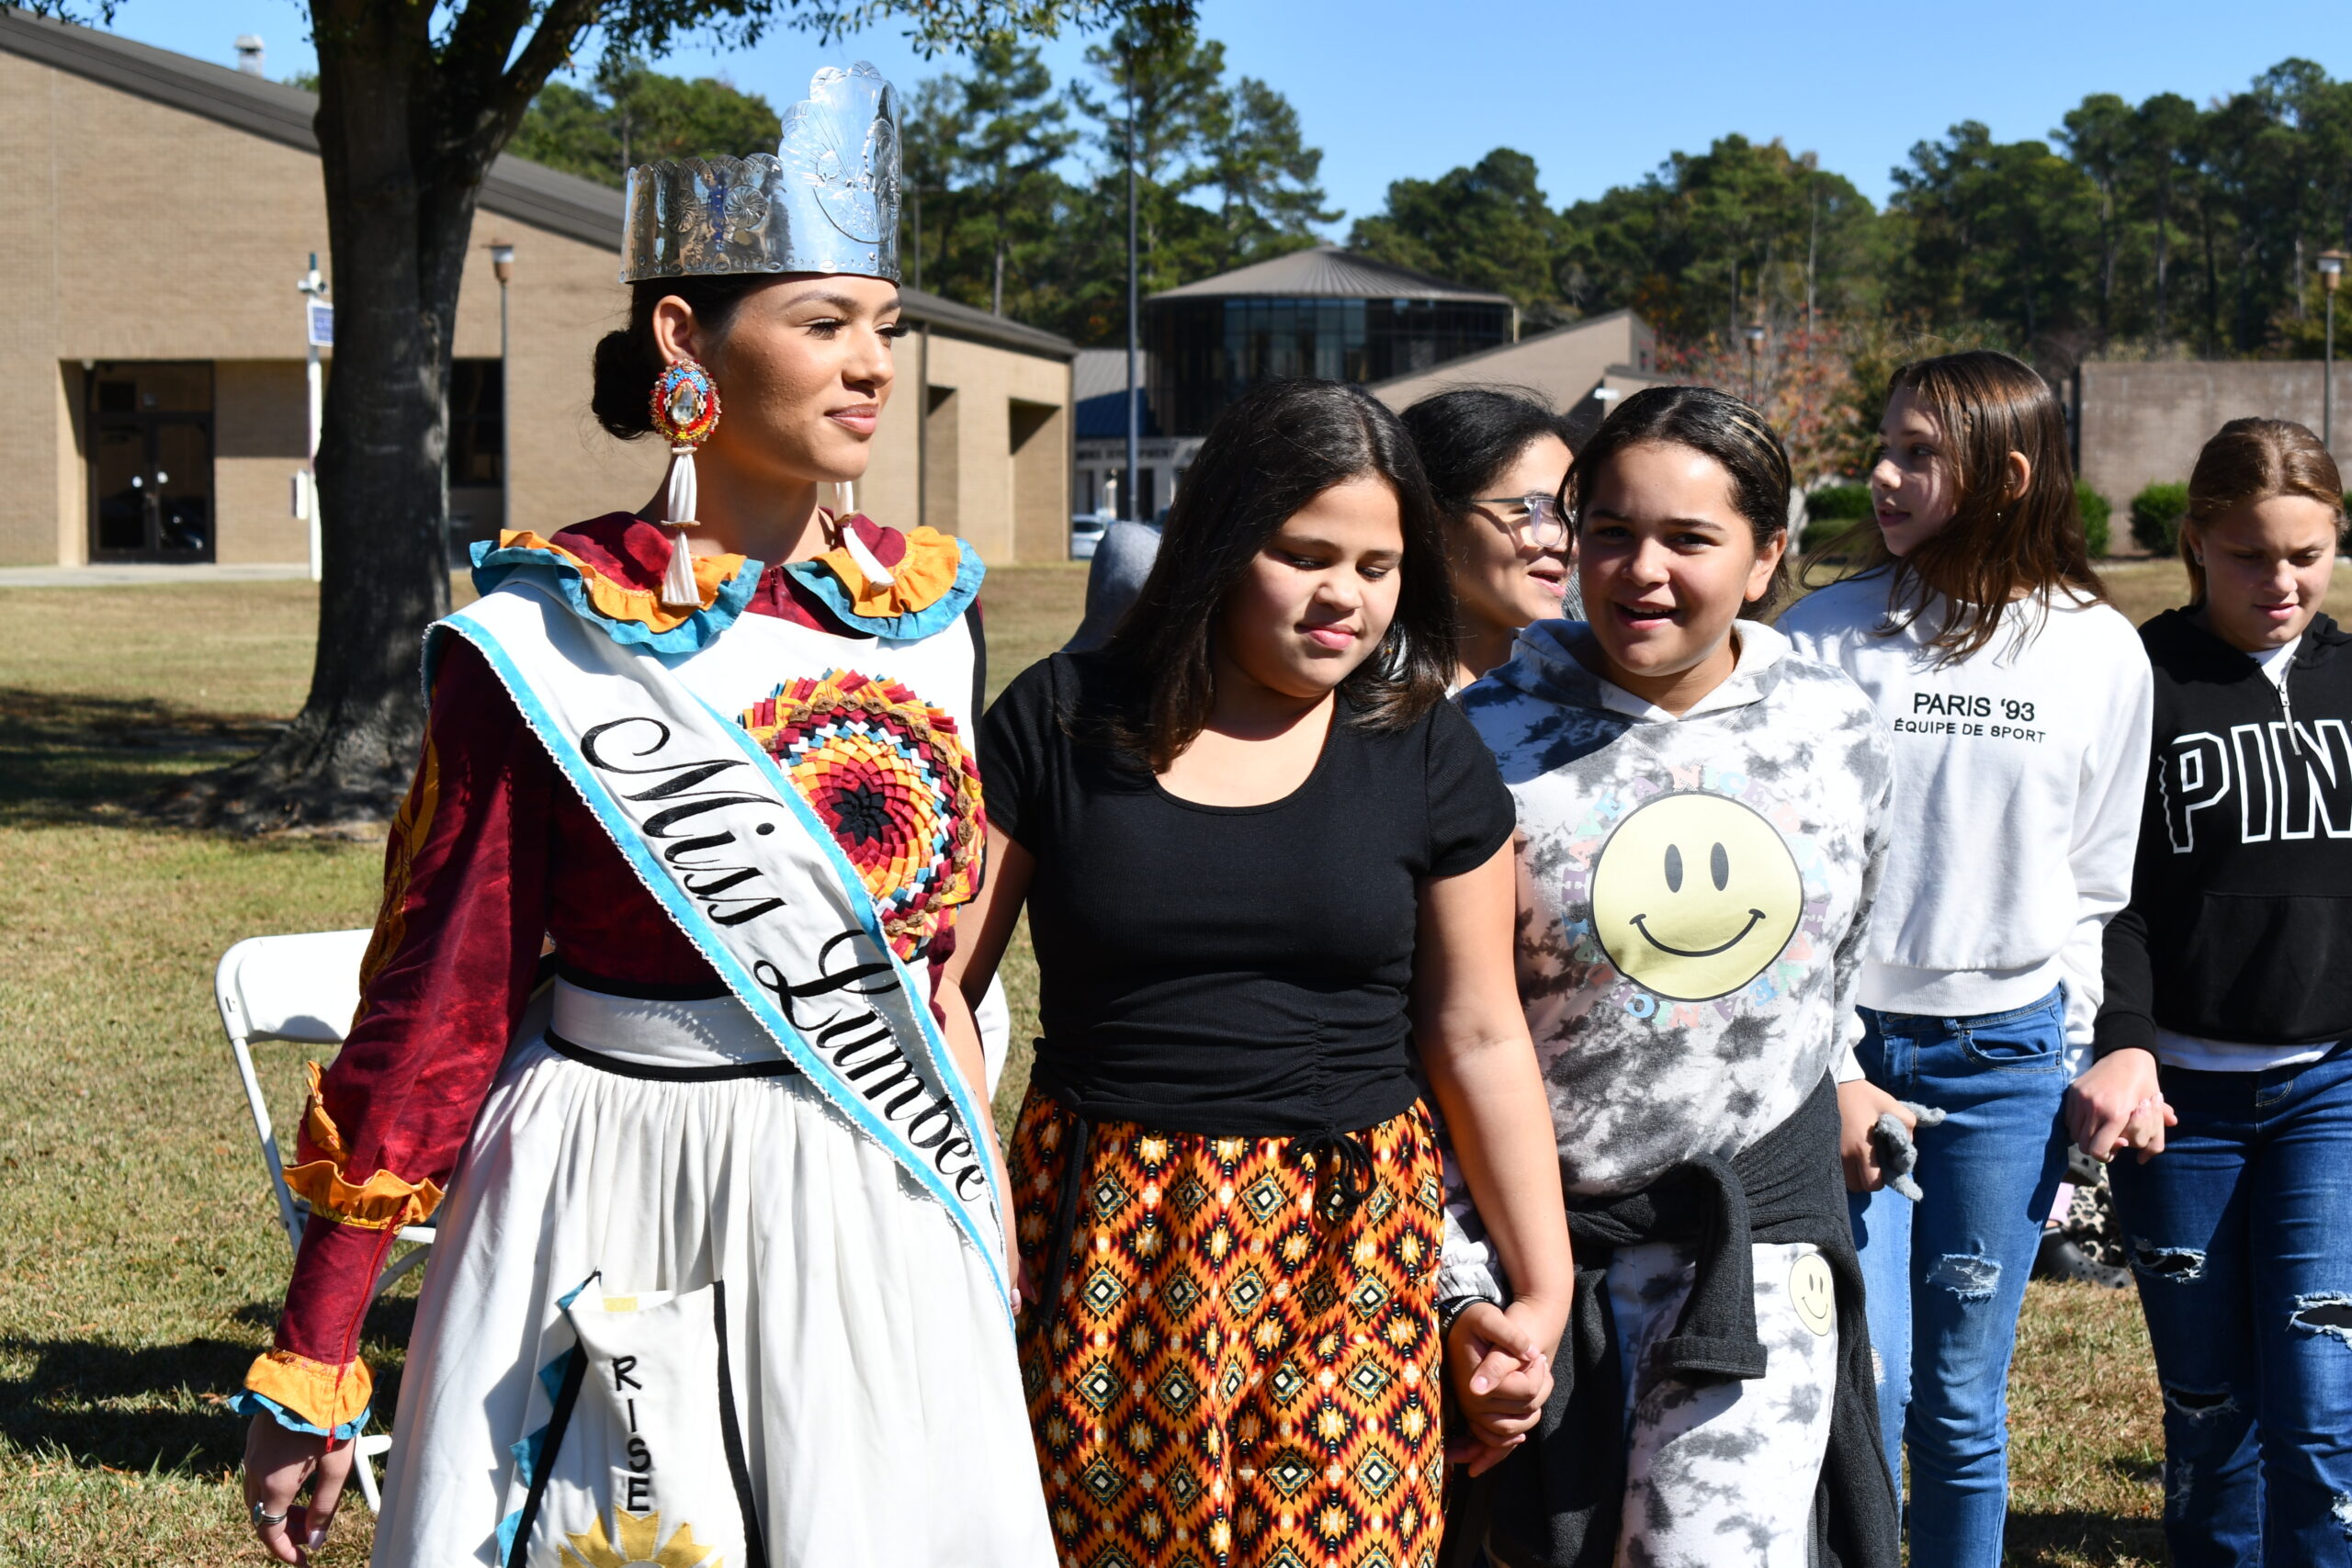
888,775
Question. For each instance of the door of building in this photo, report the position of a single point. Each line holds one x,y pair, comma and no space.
151,461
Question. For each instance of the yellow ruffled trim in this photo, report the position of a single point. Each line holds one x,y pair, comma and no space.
324,1396
619,602
921,579
380,1204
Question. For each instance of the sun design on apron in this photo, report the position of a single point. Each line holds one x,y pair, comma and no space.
637,1547
888,775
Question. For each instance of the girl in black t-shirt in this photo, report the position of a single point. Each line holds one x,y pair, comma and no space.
1267,868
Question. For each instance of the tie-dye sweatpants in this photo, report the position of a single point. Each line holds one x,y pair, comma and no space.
1723,1474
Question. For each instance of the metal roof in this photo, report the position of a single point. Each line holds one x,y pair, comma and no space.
1326,272
564,204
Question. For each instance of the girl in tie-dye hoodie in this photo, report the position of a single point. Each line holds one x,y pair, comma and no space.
1701,825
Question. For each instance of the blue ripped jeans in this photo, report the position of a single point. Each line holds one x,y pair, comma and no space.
2241,1234
1946,1277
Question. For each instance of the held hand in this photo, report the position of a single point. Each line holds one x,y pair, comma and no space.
2102,1105
2145,1130
1860,1105
277,1461
1501,1376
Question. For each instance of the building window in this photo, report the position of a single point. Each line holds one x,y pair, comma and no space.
1206,353
477,422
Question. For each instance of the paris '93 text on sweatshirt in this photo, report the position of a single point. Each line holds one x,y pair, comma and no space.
2017,778
2235,952
1695,889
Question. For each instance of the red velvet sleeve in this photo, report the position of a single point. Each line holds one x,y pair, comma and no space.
445,982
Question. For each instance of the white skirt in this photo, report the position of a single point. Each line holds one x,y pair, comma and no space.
856,1352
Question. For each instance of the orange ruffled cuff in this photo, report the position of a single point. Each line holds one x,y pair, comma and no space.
326,1396
619,602
919,579
381,1202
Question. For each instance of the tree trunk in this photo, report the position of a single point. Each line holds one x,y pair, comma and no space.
2164,216
399,218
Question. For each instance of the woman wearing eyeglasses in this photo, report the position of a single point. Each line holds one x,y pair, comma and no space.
1496,461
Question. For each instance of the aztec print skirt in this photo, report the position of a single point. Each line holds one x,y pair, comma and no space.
1235,1361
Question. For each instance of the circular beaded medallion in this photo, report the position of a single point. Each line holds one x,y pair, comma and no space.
686,403
888,775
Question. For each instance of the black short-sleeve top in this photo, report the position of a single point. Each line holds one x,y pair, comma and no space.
1229,970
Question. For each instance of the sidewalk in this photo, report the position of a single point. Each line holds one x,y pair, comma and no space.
129,575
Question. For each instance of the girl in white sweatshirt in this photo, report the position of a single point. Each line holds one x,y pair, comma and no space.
2020,701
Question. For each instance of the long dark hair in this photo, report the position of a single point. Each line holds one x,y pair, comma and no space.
1266,457
1715,424
1999,550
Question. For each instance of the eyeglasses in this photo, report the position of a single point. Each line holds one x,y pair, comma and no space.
1535,517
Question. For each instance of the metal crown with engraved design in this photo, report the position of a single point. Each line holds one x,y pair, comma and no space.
827,200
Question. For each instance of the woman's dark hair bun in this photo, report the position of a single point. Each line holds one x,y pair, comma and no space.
628,360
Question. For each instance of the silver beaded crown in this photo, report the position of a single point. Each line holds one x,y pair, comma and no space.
828,201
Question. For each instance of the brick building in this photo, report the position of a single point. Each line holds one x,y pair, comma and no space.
157,213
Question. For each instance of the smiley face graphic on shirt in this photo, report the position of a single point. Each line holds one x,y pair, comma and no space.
1694,894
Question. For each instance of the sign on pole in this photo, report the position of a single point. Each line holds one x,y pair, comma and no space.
321,324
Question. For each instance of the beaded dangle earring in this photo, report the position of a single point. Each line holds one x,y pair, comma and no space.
685,411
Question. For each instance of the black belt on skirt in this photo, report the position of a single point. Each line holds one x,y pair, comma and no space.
1337,1202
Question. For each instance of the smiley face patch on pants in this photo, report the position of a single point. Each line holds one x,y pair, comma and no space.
1694,895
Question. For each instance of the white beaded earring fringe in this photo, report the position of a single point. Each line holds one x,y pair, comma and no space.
678,587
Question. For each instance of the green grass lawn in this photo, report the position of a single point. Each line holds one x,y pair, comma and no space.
141,1262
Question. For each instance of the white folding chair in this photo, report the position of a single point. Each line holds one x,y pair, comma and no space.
302,988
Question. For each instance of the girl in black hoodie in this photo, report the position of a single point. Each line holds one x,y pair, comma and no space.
2229,999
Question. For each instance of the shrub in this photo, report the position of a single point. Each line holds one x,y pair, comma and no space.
2097,512
1831,510
2156,512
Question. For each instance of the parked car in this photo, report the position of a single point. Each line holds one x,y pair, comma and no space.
1085,532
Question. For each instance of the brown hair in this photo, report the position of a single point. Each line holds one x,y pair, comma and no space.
1266,457
1997,546
2254,460
628,360
1717,425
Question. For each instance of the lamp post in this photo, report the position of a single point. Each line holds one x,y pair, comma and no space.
2330,272
1755,362
501,263
1135,418
314,289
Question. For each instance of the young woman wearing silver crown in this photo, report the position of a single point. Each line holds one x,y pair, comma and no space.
720,1275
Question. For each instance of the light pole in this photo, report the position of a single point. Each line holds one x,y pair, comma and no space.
501,263
314,289
1755,362
1135,418
2331,271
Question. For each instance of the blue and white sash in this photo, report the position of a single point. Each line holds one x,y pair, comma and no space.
731,850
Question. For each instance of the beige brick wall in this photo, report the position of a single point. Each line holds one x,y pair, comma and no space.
134,230
987,385
119,254
260,435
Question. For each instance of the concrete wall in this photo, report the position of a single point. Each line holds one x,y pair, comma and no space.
2146,422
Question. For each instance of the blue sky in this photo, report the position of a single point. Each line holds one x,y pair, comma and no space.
1598,94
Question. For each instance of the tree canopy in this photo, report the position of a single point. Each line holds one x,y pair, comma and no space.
632,114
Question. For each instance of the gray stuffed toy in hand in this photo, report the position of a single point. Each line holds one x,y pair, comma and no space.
1897,1155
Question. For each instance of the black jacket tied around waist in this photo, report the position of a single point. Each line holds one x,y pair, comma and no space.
1555,1502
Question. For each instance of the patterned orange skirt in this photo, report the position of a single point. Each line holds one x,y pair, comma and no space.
1237,1376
